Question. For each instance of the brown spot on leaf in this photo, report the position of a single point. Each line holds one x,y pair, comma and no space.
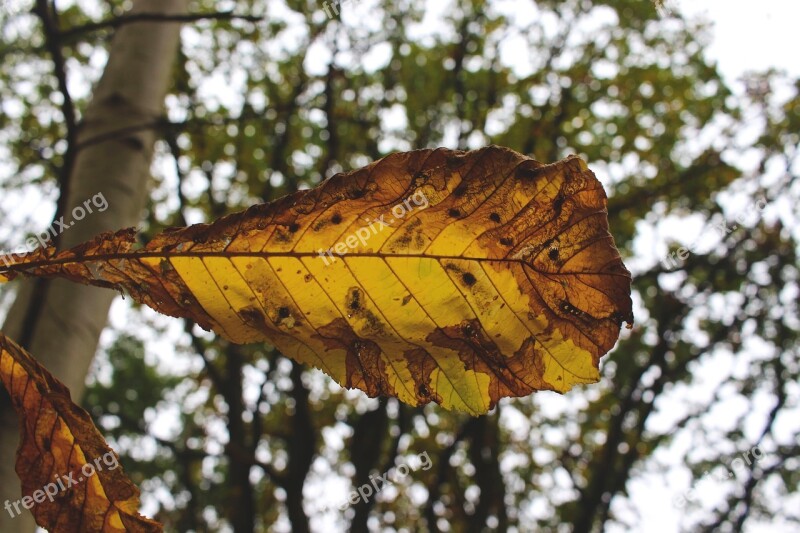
571,310
365,367
558,204
253,317
354,300
528,172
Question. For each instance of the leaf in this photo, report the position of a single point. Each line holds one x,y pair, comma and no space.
467,276
60,446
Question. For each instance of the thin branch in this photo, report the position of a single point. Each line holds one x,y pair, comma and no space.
121,133
302,447
171,138
52,34
213,372
434,489
116,22
49,17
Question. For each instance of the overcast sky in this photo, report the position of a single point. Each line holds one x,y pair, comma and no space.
749,35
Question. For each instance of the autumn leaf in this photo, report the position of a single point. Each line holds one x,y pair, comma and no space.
71,479
432,275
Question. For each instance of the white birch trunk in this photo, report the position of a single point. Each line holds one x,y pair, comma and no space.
130,93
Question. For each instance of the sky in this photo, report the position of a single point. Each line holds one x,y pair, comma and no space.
749,35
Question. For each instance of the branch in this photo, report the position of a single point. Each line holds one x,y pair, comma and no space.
302,447
213,372
49,18
171,138
116,22
52,35
121,133
434,489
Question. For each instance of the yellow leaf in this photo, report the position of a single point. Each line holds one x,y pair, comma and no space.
71,479
433,275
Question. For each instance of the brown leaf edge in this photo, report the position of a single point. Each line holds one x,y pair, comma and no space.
58,439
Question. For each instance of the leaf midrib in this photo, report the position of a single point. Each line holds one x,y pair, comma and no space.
22,267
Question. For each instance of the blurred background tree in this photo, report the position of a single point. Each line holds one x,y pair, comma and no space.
239,438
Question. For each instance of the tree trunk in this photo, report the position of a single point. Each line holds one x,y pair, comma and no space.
62,321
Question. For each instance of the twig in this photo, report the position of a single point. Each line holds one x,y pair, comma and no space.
49,18
116,22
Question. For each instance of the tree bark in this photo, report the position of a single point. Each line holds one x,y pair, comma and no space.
113,155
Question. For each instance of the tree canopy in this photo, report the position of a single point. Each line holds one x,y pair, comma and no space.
269,98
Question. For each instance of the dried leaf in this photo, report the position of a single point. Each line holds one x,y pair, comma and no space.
466,277
71,479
